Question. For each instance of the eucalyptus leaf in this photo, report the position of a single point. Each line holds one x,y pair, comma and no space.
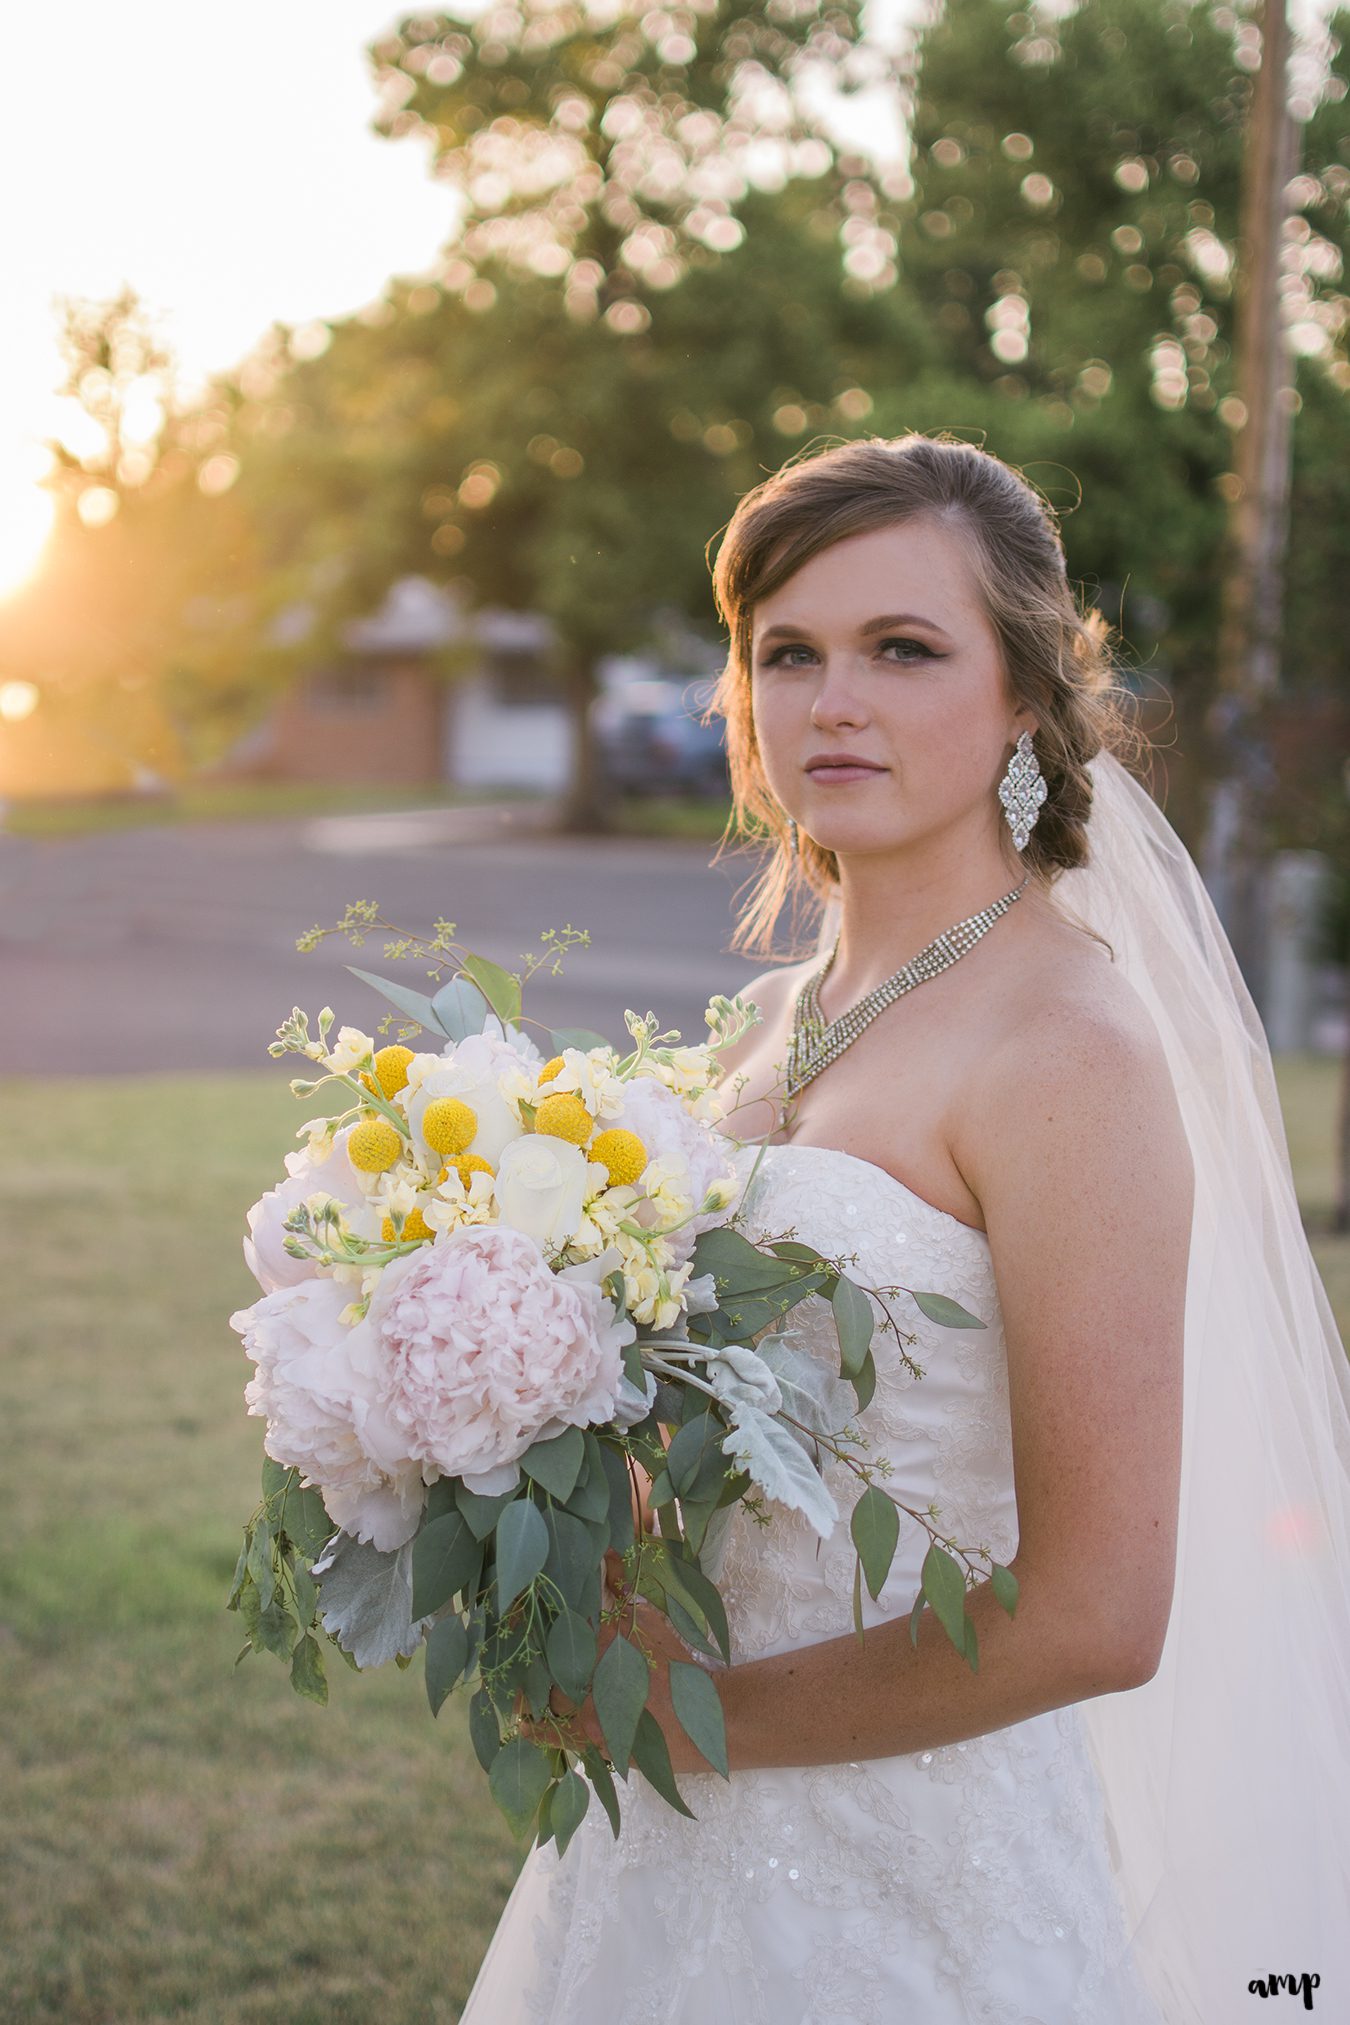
365,1599
519,1779
738,1266
573,1561
697,1704
484,1733
445,1556
460,1009
556,1464
854,1320
303,1517
703,1596
275,1476
276,1630
875,1527
306,1593
1004,1584
570,1649
447,1658
307,1674
622,1521
940,1308
590,1495
522,1550
602,1779
864,1382
498,986
481,1513
567,1808
584,1038
945,1587
240,1570
694,1452
651,1755
415,1004
619,1691
250,1606
261,1567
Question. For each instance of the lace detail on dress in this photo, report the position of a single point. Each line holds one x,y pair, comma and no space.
967,1885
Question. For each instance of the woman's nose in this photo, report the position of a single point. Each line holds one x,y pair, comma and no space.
838,699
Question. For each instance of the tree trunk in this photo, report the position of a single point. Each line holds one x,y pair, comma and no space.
1250,628
584,811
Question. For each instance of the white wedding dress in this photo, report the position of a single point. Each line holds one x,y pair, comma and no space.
967,1885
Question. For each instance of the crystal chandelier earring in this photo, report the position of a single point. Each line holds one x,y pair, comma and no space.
794,842
1022,791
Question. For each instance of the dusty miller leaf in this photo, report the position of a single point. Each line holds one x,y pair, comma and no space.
365,1598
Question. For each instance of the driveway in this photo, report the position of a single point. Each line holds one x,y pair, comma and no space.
174,947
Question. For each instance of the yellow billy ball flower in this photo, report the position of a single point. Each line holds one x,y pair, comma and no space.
391,1066
623,1153
373,1146
448,1124
415,1225
465,1165
550,1069
564,1117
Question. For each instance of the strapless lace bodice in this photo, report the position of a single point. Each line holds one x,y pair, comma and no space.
969,1884
947,1434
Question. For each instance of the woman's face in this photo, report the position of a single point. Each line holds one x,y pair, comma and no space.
879,647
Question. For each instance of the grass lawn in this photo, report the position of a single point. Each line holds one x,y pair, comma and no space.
180,1840
232,801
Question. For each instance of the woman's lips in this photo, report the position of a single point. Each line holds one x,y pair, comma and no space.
840,775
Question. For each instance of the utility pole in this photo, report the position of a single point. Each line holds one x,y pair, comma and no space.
1248,670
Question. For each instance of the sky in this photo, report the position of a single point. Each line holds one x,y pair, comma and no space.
220,160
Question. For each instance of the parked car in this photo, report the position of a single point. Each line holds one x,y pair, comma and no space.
650,739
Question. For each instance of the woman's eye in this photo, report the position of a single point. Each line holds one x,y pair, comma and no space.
779,657
917,645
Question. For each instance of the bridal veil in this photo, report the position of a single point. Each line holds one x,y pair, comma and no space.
1226,1776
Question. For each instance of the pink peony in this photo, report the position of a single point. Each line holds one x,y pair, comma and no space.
313,1381
483,1350
265,1253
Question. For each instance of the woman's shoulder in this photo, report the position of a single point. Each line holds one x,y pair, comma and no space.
1075,1025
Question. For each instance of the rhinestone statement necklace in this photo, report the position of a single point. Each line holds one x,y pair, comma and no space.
813,1044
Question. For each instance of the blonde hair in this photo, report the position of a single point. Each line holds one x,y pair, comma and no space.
1057,659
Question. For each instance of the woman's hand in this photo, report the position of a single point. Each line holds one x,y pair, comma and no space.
573,1727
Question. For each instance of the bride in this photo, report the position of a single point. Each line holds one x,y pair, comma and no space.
1028,1075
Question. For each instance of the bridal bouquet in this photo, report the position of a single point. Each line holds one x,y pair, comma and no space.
501,1288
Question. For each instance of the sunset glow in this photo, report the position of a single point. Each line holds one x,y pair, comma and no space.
26,515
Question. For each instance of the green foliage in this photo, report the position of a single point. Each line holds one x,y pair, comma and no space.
272,1588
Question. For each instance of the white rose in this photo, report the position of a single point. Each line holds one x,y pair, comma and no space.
541,1185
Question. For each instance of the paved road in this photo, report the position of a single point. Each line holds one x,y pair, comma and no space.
174,947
